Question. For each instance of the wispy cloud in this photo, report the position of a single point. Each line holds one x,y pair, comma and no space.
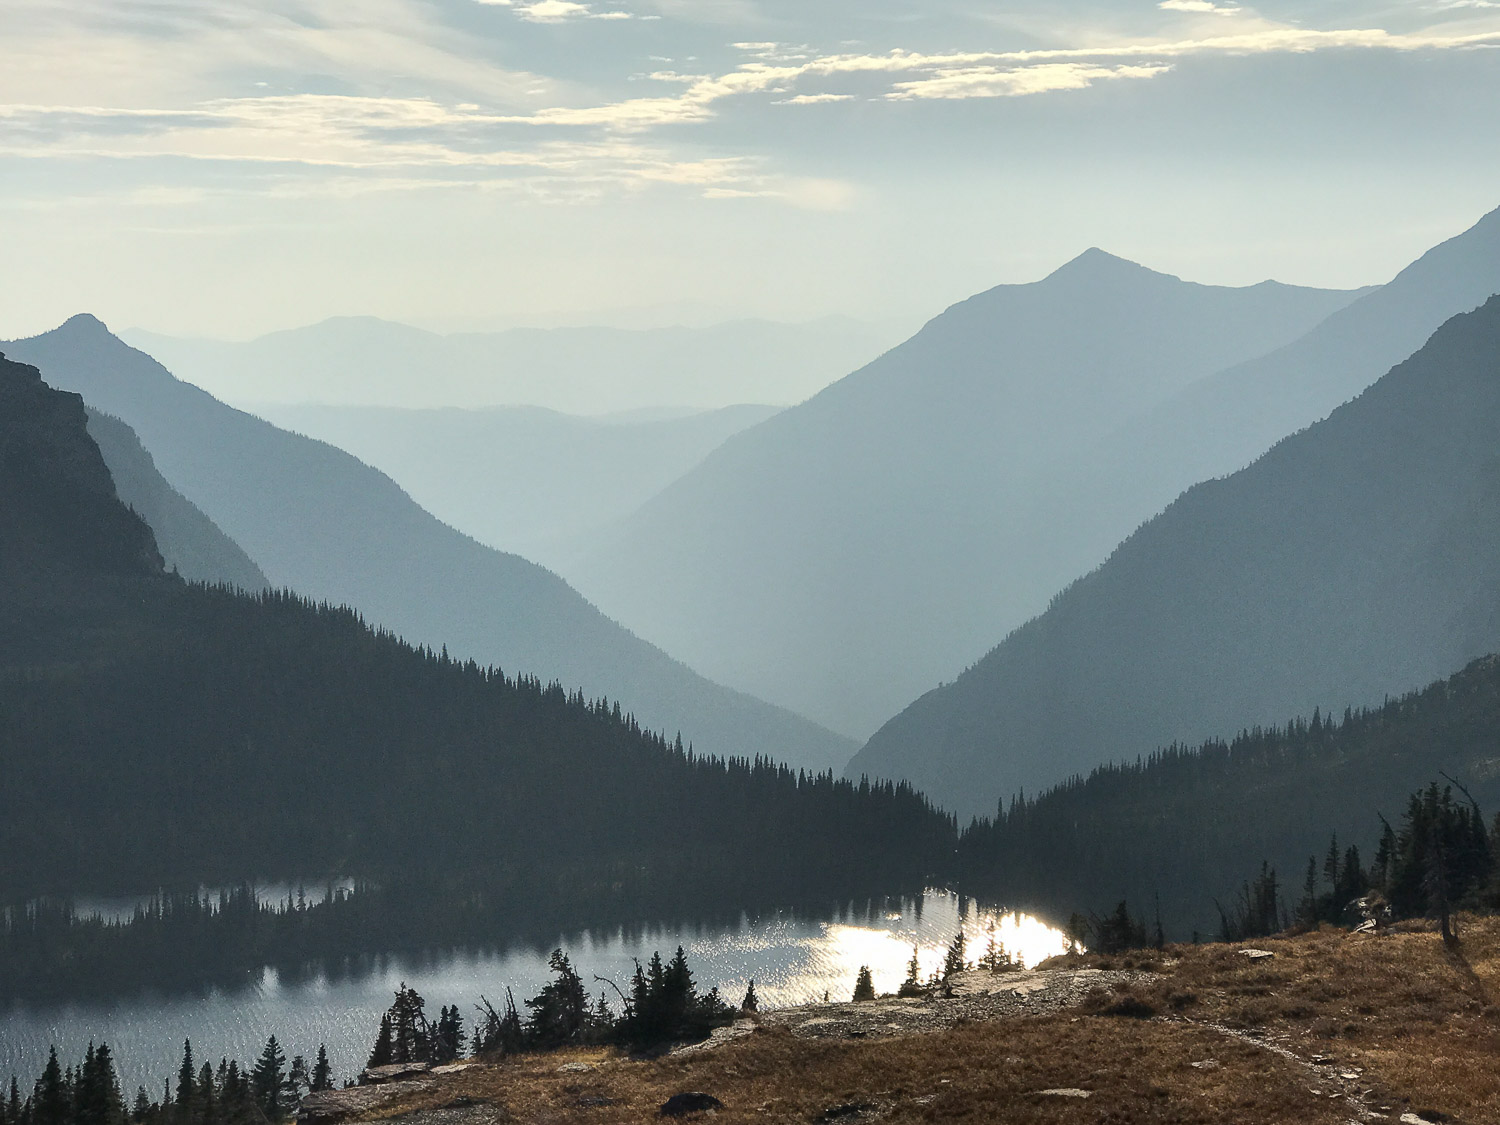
1204,6
560,11
999,82
473,117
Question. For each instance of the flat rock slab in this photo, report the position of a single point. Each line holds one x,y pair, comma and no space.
330,1106
976,996
1065,1092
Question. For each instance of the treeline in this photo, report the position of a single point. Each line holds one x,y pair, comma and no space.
229,1094
1173,829
1441,860
212,737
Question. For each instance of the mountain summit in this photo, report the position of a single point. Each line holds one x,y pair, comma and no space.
1356,559
844,555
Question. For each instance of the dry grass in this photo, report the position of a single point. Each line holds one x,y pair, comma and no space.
1420,1025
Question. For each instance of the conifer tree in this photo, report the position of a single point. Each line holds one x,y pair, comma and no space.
50,1103
206,1097
322,1072
912,985
187,1080
559,1011
268,1081
382,1053
751,1002
864,984
953,960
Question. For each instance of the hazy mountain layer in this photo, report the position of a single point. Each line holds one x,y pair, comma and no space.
522,478
1222,423
842,556
322,523
1356,559
190,542
371,362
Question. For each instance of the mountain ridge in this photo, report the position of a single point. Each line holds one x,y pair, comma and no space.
843,555
1304,579
322,523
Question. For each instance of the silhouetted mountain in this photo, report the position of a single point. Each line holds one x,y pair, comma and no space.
58,510
522,478
369,362
1355,559
156,732
844,555
190,542
329,527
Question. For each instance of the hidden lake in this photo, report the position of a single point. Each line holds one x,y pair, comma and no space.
793,959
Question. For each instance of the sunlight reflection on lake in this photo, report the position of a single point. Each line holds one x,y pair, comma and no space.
792,960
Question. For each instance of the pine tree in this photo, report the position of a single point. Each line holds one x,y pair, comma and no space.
953,960
383,1051
559,1011
268,1081
50,1102
751,1002
864,984
322,1073
411,1036
208,1110
187,1079
912,985
298,1078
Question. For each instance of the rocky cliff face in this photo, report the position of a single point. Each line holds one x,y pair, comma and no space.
59,512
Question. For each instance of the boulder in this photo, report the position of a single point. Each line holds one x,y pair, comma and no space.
680,1105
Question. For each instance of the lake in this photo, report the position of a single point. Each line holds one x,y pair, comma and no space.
791,959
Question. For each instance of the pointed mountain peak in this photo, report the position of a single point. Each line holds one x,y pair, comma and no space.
1095,264
85,323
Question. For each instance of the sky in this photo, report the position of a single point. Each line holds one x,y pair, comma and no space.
231,167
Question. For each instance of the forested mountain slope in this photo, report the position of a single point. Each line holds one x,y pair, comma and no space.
320,522
1355,559
190,542
1187,826
521,478
154,733
844,555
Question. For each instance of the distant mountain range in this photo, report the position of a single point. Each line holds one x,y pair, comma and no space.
1356,559
844,555
522,478
365,361
318,521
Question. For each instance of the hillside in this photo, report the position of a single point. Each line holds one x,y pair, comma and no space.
320,522
364,361
1356,559
1185,827
522,478
156,733
844,555
190,542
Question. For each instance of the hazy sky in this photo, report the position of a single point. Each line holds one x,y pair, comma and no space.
233,166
